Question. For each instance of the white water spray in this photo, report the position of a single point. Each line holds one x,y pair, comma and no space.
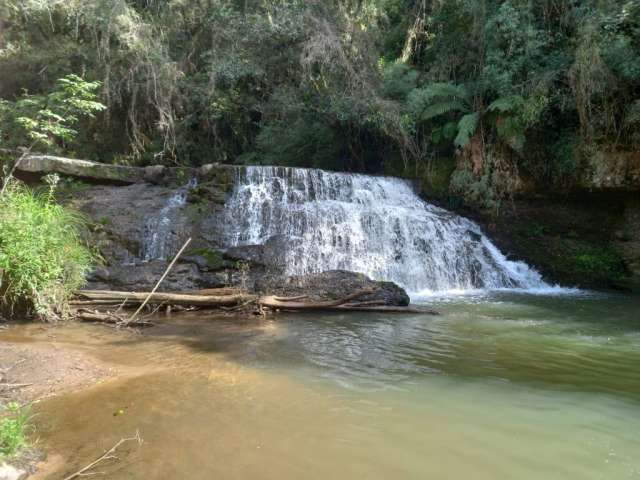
159,238
374,225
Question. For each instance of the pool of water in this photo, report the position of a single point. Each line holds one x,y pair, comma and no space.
500,385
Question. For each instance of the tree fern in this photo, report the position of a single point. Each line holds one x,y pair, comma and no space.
445,90
441,108
466,128
506,104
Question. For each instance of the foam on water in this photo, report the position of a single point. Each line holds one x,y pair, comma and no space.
374,225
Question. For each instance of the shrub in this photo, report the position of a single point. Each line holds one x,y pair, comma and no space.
14,424
42,257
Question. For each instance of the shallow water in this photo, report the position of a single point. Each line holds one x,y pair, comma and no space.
499,386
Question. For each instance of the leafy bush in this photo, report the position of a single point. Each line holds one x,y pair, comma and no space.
14,424
599,262
48,121
42,257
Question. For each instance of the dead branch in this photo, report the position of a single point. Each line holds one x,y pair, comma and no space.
108,317
13,386
108,455
132,317
80,303
291,299
216,291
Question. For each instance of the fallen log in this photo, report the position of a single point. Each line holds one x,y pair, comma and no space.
168,298
292,303
216,291
80,303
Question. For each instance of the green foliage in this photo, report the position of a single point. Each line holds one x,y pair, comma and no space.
466,128
42,257
47,121
371,85
14,426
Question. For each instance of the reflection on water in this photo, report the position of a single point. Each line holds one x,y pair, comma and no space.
506,386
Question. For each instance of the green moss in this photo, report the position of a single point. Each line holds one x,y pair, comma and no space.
208,193
213,257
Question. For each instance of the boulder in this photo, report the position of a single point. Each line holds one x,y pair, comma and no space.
335,284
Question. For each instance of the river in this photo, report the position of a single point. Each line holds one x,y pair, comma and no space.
501,385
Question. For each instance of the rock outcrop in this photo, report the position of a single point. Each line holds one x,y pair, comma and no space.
335,284
99,172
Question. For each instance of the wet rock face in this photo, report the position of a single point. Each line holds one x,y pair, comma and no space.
618,171
143,277
123,220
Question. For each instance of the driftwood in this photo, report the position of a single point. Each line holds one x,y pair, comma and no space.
227,299
292,303
216,291
168,298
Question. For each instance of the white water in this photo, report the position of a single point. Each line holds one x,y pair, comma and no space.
158,236
374,225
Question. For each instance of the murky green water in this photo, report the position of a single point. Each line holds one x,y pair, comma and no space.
507,386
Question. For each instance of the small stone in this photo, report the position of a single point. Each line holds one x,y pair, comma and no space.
9,472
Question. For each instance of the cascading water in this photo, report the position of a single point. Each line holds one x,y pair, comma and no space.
158,236
374,225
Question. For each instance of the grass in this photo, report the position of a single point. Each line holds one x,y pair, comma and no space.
14,425
42,256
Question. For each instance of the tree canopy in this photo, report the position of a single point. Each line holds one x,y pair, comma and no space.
508,87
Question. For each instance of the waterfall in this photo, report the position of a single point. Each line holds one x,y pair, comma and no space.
159,235
374,225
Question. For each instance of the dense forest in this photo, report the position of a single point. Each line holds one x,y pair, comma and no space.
495,91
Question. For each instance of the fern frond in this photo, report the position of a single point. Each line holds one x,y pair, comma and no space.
445,90
466,128
441,108
506,104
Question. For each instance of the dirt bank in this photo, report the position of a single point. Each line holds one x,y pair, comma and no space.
31,372
36,371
